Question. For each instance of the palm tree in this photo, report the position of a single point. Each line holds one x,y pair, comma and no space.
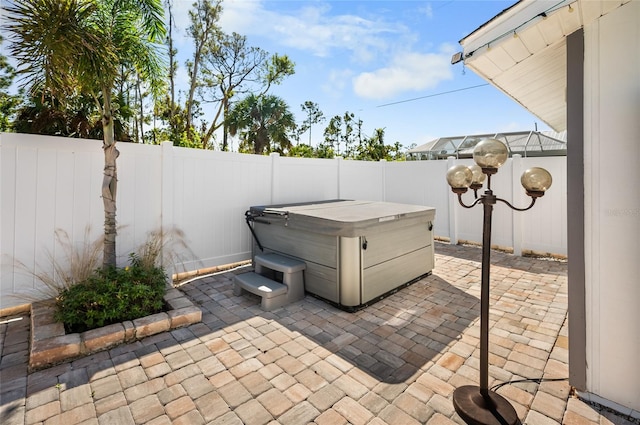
70,47
261,121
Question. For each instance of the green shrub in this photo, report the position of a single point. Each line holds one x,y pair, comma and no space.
112,295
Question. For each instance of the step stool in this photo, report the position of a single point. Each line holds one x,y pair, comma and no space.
279,280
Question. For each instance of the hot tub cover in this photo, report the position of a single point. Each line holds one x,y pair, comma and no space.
344,217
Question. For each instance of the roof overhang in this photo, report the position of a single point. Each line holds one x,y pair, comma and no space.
522,52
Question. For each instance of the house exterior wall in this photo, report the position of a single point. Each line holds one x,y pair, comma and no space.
612,206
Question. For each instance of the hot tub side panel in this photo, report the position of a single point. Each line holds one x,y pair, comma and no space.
318,251
394,257
350,271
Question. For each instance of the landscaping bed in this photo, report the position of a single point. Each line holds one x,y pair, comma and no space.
50,344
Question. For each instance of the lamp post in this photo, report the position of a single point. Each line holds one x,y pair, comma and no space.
477,405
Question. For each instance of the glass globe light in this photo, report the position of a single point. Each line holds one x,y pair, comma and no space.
459,178
478,177
536,181
490,154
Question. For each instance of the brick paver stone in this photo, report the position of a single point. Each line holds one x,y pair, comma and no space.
211,406
297,393
109,403
179,359
552,407
352,411
414,407
160,420
179,407
330,417
439,419
197,386
253,413
302,413
326,397
43,412
255,383
351,387
145,409
158,370
120,416
180,375
275,402
536,418
42,397
397,361
78,414
235,394
394,416
132,376
143,389
191,418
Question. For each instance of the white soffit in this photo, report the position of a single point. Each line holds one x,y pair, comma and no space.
522,52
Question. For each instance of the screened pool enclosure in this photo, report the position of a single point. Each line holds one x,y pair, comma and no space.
525,143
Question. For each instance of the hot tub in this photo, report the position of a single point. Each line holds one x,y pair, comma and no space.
356,252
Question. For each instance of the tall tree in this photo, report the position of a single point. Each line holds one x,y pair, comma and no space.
314,116
332,134
8,102
232,68
173,66
225,69
65,47
341,131
205,32
264,124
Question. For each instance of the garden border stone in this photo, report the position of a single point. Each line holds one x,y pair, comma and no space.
50,344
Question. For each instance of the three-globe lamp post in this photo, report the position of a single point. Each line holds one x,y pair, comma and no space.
478,405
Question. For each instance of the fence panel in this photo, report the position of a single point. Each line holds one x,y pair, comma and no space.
545,225
541,229
420,183
362,180
303,179
211,192
48,184
51,183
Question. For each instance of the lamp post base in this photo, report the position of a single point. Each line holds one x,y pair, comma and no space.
475,410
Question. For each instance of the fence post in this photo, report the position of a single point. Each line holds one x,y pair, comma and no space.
339,171
166,205
274,171
516,195
453,231
383,164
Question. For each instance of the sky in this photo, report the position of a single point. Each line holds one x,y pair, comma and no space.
388,62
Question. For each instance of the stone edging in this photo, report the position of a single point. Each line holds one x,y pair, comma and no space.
50,344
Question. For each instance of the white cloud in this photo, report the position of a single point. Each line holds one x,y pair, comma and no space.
180,20
243,16
239,16
337,82
313,28
351,39
407,72
427,10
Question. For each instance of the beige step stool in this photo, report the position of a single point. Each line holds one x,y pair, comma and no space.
279,280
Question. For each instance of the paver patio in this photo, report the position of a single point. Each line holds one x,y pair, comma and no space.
394,362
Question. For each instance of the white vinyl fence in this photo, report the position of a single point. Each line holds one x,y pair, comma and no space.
52,184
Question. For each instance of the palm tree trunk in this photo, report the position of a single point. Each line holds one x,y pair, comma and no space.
109,182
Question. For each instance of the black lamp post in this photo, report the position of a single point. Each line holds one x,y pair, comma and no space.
477,405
